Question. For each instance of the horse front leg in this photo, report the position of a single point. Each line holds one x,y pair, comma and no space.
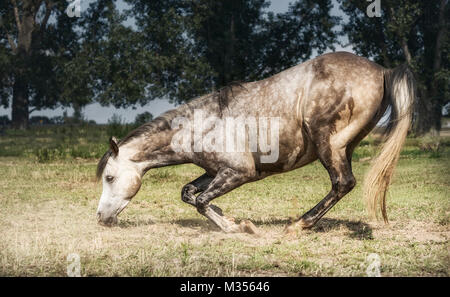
226,180
194,187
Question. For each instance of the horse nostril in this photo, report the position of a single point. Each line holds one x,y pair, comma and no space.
99,216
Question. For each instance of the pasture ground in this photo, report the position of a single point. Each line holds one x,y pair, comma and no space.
48,198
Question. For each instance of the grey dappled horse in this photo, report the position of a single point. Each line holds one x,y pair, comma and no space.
325,107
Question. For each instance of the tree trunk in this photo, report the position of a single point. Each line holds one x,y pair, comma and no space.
77,111
229,55
20,104
437,116
429,109
25,23
435,94
428,115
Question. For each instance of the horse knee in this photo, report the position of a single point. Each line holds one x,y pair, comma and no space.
187,193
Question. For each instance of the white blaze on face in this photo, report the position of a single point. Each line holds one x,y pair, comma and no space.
121,181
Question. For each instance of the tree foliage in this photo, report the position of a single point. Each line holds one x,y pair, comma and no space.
180,49
204,45
143,118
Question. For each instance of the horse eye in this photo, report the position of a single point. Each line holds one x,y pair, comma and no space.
109,178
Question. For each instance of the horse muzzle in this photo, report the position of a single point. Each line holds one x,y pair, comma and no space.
106,220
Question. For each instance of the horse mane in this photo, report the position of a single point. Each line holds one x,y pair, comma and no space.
102,164
160,123
222,95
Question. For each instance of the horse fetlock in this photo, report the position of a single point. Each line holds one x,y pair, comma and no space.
301,224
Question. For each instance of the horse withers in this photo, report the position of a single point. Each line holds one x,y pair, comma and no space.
321,109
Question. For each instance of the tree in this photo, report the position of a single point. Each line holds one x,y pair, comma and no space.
179,49
52,59
143,118
206,44
169,59
242,41
107,67
411,31
292,37
228,34
36,39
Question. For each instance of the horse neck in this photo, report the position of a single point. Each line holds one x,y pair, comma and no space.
153,149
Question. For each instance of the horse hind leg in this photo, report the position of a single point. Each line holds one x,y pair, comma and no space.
337,163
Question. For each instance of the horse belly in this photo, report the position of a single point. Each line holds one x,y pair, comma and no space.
294,150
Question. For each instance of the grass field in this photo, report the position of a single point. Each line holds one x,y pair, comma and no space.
48,198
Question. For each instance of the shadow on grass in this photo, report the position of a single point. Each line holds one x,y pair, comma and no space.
204,224
127,223
357,229
272,222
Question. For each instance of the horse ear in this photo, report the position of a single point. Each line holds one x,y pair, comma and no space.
113,146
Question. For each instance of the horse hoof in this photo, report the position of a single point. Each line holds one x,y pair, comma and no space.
294,227
304,225
248,227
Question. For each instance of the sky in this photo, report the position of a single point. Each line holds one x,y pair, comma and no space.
101,114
